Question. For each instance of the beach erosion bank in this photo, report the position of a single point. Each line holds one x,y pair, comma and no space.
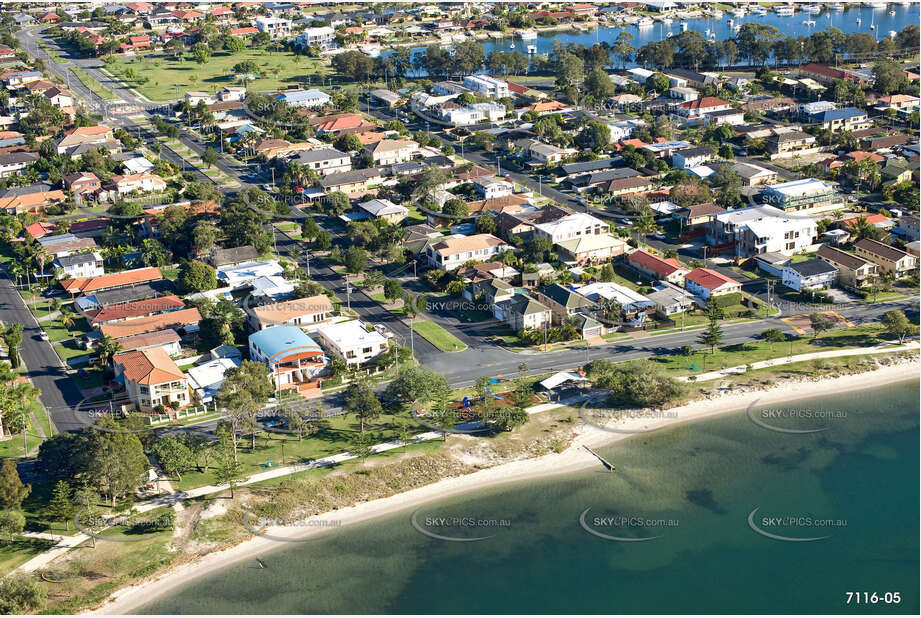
574,459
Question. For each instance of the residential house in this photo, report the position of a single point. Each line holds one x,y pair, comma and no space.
761,229
897,101
844,119
355,181
571,226
826,75
276,27
65,244
13,162
167,339
454,251
222,258
522,312
704,282
490,187
809,275
562,301
304,98
79,265
243,275
490,291
294,359
657,268
31,203
696,111
142,183
301,312
853,271
151,379
670,299
323,37
486,85
806,194
324,161
772,263
82,183
593,248
692,157
754,175
698,215
84,136
546,154
385,210
619,187
889,259
206,379
87,285
390,151
634,307
352,341
909,227
386,97
789,143
488,270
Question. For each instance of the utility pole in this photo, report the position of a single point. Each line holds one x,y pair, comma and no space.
412,339
348,293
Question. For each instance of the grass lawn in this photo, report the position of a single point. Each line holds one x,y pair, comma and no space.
93,379
13,446
20,551
439,337
170,78
333,435
288,227
92,84
43,307
742,354
69,350
170,273
56,332
43,419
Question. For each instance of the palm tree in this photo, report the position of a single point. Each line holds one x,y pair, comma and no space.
41,258
107,348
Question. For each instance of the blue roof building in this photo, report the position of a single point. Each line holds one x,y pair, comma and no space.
294,359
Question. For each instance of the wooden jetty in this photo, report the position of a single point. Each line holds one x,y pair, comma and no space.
607,464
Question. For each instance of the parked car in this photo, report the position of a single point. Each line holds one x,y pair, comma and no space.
383,330
626,221
43,336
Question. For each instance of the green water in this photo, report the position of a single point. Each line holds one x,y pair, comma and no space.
703,478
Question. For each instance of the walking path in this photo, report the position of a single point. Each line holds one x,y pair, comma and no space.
882,348
66,543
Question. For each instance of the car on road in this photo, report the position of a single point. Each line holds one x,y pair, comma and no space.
625,221
52,292
383,330
658,236
43,335
267,187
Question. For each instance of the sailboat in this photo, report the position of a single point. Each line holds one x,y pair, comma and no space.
512,46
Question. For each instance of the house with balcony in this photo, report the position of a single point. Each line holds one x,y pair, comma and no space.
307,313
352,341
563,302
809,275
391,151
522,312
324,161
843,119
806,194
295,361
454,251
79,265
151,379
490,187
692,157
761,229
789,143
853,271
889,259
486,85
276,27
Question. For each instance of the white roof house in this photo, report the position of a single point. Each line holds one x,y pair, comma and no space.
384,209
304,98
571,226
611,291
762,229
137,165
640,75
206,379
244,274
273,287
351,341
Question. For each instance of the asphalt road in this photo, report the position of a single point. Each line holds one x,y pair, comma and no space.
58,392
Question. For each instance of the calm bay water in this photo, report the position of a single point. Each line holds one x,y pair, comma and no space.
795,25
695,485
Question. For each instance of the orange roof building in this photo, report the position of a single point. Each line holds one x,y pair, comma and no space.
152,379
171,319
86,285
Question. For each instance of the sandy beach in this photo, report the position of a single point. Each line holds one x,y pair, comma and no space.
573,459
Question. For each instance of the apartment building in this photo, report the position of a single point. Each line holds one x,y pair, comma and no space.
807,194
761,229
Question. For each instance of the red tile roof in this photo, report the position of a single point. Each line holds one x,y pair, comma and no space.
150,367
37,230
113,280
138,308
704,103
709,279
663,267
183,317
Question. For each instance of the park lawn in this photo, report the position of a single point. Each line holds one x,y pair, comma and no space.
13,446
20,551
92,84
439,337
743,354
170,78
334,435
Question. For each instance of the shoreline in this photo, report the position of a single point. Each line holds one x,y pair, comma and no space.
573,459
